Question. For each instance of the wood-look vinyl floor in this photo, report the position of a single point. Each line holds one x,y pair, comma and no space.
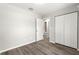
43,47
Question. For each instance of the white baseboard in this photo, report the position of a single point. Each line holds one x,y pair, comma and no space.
52,42
77,49
16,47
11,48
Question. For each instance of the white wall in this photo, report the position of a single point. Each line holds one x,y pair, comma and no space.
17,27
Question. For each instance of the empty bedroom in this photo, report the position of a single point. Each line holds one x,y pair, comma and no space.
39,28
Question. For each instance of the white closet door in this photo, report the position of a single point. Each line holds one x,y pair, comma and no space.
59,29
71,29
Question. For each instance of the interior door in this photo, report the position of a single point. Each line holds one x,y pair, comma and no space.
71,29
40,29
59,29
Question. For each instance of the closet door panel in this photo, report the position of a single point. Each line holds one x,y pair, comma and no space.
59,29
71,30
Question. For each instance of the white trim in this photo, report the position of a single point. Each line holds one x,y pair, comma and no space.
17,46
77,49
53,42
14,47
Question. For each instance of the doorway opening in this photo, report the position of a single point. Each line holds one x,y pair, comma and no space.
46,36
